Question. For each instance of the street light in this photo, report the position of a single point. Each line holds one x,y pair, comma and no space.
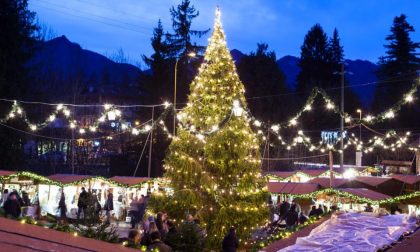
190,55
360,123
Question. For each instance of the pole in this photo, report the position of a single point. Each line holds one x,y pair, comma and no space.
268,148
342,119
330,155
176,69
149,167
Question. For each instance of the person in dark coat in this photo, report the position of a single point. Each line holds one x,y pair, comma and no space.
12,207
172,237
292,217
313,211
25,199
320,209
230,242
62,207
82,203
157,244
284,208
109,206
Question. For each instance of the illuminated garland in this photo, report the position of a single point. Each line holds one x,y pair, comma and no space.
261,243
110,113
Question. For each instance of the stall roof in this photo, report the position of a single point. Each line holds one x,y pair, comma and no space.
325,182
366,193
292,188
6,173
15,236
68,178
314,172
130,181
407,178
372,181
282,174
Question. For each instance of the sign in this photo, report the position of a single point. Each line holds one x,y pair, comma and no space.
332,137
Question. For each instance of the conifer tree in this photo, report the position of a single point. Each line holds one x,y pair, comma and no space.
213,163
400,64
314,61
336,57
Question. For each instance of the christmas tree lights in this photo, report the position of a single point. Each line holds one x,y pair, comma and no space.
213,163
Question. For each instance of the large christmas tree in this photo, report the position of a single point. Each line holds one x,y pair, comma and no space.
213,163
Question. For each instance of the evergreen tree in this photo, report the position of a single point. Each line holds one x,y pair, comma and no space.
180,42
213,164
400,63
17,37
314,61
336,57
263,78
158,63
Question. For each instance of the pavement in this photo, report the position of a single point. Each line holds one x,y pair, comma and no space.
410,243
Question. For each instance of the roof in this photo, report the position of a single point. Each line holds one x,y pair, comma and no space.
68,178
6,173
407,178
396,163
15,236
282,174
130,181
292,188
365,193
372,181
314,173
325,182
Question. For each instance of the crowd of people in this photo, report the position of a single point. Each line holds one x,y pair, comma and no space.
13,203
291,213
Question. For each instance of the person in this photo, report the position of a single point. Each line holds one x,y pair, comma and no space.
297,206
147,222
161,224
109,205
302,218
134,212
134,238
141,208
147,239
171,238
12,207
313,211
291,217
82,203
4,196
284,208
230,241
201,232
62,207
157,244
25,199
320,209
189,219
369,208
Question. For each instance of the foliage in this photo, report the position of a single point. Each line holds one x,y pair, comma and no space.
263,78
217,179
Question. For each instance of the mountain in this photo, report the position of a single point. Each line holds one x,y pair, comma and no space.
360,72
64,63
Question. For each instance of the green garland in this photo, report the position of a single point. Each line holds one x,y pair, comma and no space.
264,242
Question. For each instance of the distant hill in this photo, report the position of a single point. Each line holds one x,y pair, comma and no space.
64,62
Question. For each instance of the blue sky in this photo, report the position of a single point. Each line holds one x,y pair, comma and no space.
105,26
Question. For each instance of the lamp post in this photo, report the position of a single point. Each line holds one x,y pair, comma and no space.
190,55
359,153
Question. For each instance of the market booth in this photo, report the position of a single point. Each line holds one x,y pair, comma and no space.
24,182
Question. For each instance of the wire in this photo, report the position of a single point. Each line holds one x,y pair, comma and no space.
142,152
84,105
307,157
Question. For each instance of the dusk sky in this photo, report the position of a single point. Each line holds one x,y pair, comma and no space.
104,26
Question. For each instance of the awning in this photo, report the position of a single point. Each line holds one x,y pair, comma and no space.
408,179
291,188
365,193
372,181
130,181
69,178
325,182
6,173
